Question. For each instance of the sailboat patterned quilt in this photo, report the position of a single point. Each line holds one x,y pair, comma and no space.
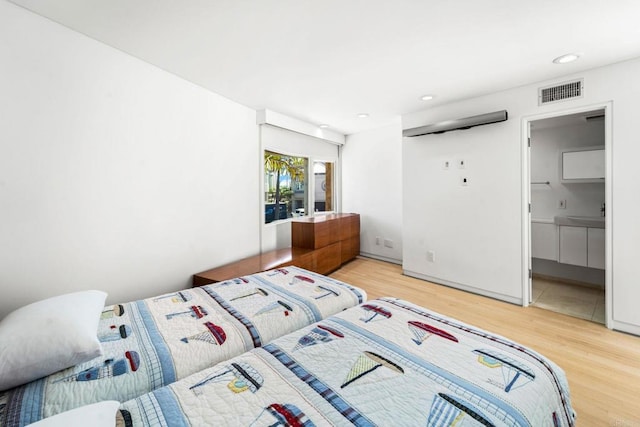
386,362
153,342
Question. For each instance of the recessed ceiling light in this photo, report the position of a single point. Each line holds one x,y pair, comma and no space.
363,115
323,126
427,97
565,59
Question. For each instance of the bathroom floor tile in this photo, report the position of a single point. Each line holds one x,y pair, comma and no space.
598,312
574,300
539,286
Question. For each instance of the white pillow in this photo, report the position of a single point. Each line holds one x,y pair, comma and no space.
49,335
101,414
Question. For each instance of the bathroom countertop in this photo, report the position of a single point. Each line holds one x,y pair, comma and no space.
580,221
543,220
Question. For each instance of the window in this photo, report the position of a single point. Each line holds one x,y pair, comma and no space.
286,185
300,177
323,200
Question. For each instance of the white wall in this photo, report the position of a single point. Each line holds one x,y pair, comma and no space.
372,187
473,230
547,145
114,174
476,231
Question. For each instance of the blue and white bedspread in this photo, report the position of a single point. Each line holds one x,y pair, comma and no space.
386,362
150,343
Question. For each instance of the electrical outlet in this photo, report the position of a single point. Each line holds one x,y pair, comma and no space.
446,164
461,164
562,204
388,243
378,240
431,256
464,181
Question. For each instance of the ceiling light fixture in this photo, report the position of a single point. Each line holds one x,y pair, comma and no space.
427,97
565,59
363,115
323,126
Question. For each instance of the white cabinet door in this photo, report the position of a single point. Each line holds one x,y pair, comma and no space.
595,248
573,245
544,241
585,164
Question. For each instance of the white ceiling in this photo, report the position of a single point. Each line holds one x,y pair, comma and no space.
326,61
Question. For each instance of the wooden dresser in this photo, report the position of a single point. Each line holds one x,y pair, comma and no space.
334,238
320,243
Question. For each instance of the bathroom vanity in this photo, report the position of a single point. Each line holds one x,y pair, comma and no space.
575,240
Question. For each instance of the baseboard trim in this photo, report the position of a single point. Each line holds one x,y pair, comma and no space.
381,258
625,327
466,288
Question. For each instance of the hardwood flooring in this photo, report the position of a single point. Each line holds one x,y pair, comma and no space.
603,366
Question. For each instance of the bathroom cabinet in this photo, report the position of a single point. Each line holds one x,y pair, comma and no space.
595,248
583,165
544,240
573,245
582,246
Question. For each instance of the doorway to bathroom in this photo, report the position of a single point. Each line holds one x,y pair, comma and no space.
567,220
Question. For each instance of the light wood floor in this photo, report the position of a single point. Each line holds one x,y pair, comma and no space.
603,366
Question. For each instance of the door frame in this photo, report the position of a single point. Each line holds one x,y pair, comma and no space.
526,200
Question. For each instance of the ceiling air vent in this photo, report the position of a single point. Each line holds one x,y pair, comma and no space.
560,92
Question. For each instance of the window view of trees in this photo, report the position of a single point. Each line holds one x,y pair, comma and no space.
286,186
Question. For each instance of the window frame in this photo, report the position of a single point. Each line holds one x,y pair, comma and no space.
310,196
291,143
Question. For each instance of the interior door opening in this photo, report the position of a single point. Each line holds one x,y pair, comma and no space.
568,210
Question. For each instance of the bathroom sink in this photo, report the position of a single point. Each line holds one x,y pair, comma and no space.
580,221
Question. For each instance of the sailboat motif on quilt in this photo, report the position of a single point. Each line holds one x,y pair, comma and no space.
195,311
213,334
115,311
298,279
256,291
276,306
422,331
514,373
177,297
109,368
372,311
366,363
239,377
319,334
447,410
282,415
326,291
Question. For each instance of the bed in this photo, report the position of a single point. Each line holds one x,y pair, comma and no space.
385,362
151,343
